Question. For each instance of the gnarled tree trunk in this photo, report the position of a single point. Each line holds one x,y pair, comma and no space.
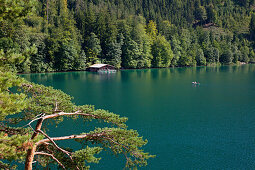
31,152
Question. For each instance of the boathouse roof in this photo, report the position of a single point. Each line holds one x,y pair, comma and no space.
97,65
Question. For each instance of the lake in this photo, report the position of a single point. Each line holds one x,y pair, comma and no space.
210,126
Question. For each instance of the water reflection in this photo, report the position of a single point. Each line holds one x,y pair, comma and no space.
137,74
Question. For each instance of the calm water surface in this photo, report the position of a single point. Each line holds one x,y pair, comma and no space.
211,126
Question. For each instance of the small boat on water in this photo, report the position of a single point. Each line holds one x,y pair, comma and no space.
195,83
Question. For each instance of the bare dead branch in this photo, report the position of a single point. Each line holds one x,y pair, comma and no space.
69,114
36,118
42,116
72,137
52,156
10,91
56,107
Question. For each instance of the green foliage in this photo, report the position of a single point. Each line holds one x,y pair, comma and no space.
151,29
123,141
162,53
211,14
49,98
200,58
12,9
177,50
93,48
113,54
252,26
88,155
167,30
244,57
200,13
226,57
212,55
131,53
71,35
13,147
11,103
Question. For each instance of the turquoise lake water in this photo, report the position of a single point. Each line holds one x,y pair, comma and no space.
211,126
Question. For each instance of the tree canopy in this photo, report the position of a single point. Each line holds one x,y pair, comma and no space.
73,34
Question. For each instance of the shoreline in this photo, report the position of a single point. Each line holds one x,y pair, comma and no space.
239,64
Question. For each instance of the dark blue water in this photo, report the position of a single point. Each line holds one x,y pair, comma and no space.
211,126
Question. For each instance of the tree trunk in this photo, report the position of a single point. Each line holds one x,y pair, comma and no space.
31,152
30,158
47,11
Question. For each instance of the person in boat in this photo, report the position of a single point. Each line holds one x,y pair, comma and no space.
195,82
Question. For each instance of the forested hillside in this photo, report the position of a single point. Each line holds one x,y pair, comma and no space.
62,35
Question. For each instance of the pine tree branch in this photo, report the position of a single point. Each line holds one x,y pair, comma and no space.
62,150
103,135
9,130
4,166
52,156
125,147
30,152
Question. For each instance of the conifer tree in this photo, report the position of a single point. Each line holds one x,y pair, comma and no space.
252,27
93,48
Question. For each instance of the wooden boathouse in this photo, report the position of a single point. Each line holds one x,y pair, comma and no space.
102,68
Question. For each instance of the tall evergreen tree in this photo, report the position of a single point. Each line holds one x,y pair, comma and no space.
252,27
93,48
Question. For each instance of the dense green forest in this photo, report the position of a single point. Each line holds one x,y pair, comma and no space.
61,35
